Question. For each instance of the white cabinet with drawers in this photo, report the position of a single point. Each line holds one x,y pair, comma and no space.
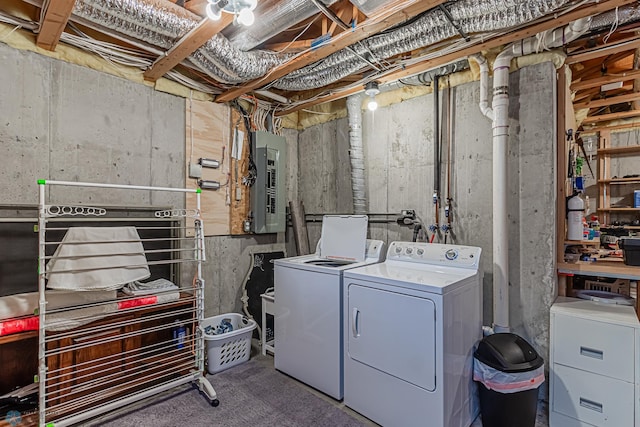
594,365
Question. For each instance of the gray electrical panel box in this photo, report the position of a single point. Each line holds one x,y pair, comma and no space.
268,193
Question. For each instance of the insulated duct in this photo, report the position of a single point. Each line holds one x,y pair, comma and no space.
622,15
499,114
472,16
354,112
162,24
283,14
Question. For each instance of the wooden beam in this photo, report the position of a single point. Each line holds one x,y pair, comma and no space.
627,44
612,116
599,81
395,13
52,26
630,97
188,44
341,15
298,45
551,22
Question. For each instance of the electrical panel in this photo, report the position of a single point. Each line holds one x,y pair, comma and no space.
268,193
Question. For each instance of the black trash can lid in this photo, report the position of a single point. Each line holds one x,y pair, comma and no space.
629,243
508,352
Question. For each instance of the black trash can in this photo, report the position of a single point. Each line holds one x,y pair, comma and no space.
508,372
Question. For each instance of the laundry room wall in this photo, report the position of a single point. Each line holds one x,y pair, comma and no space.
399,166
61,121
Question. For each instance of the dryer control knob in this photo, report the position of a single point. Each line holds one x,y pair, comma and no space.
409,251
420,251
398,249
451,254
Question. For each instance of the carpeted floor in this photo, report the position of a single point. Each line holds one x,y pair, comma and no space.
251,394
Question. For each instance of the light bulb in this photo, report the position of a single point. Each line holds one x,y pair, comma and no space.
213,11
245,17
372,105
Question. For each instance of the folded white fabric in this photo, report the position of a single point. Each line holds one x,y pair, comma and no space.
97,258
18,305
155,286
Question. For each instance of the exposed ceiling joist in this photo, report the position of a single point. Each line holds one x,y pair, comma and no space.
630,97
612,116
397,12
549,23
599,81
298,45
188,44
55,19
605,51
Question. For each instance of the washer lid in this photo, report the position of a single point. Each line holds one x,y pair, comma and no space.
344,237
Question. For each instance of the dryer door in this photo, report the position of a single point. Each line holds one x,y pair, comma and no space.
393,333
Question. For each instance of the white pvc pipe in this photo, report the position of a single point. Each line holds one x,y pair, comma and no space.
499,114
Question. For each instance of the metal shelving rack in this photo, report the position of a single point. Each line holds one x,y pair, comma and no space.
84,389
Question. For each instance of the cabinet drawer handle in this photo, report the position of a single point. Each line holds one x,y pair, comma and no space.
590,404
590,352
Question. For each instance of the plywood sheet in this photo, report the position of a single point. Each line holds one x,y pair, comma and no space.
239,168
208,136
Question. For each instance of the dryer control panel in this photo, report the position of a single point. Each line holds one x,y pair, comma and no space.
435,254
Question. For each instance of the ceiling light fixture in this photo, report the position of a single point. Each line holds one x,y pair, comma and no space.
241,9
371,90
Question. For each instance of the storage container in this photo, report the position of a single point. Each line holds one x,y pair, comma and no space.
230,348
631,248
636,199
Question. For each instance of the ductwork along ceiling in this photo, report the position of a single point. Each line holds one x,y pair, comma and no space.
299,49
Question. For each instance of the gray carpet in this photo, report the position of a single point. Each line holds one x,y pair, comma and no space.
250,394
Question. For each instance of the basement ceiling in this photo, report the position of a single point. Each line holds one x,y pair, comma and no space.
300,53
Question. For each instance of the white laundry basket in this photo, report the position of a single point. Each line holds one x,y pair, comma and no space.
231,348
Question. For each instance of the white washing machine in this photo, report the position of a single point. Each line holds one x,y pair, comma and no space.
411,324
308,317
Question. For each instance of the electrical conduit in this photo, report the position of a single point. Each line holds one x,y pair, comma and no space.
499,114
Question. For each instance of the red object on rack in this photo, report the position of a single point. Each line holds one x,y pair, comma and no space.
14,326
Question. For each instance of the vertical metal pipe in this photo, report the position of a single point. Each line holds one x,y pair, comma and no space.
42,303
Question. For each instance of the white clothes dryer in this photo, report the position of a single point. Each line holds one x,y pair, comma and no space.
308,317
411,324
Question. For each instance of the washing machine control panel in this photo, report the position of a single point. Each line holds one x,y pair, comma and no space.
436,254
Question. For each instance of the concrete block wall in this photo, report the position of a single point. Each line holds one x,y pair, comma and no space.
399,173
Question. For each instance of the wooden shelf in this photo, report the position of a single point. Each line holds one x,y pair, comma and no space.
18,337
619,181
614,269
583,242
620,150
618,209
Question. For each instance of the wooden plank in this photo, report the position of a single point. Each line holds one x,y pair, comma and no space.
188,44
630,97
551,22
617,127
296,46
601,268
52,26
611,116
207,131
239,168
395,13
599,81
623,46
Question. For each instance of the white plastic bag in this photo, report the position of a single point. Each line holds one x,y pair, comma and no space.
507,382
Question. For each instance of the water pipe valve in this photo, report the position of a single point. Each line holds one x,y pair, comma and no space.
435,198
446,211
445,228
433,228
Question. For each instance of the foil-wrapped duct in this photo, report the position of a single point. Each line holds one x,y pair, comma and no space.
162,24
473,16
623,15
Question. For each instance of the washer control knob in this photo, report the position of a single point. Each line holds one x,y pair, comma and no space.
398,249
420,251
451,254
409,251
